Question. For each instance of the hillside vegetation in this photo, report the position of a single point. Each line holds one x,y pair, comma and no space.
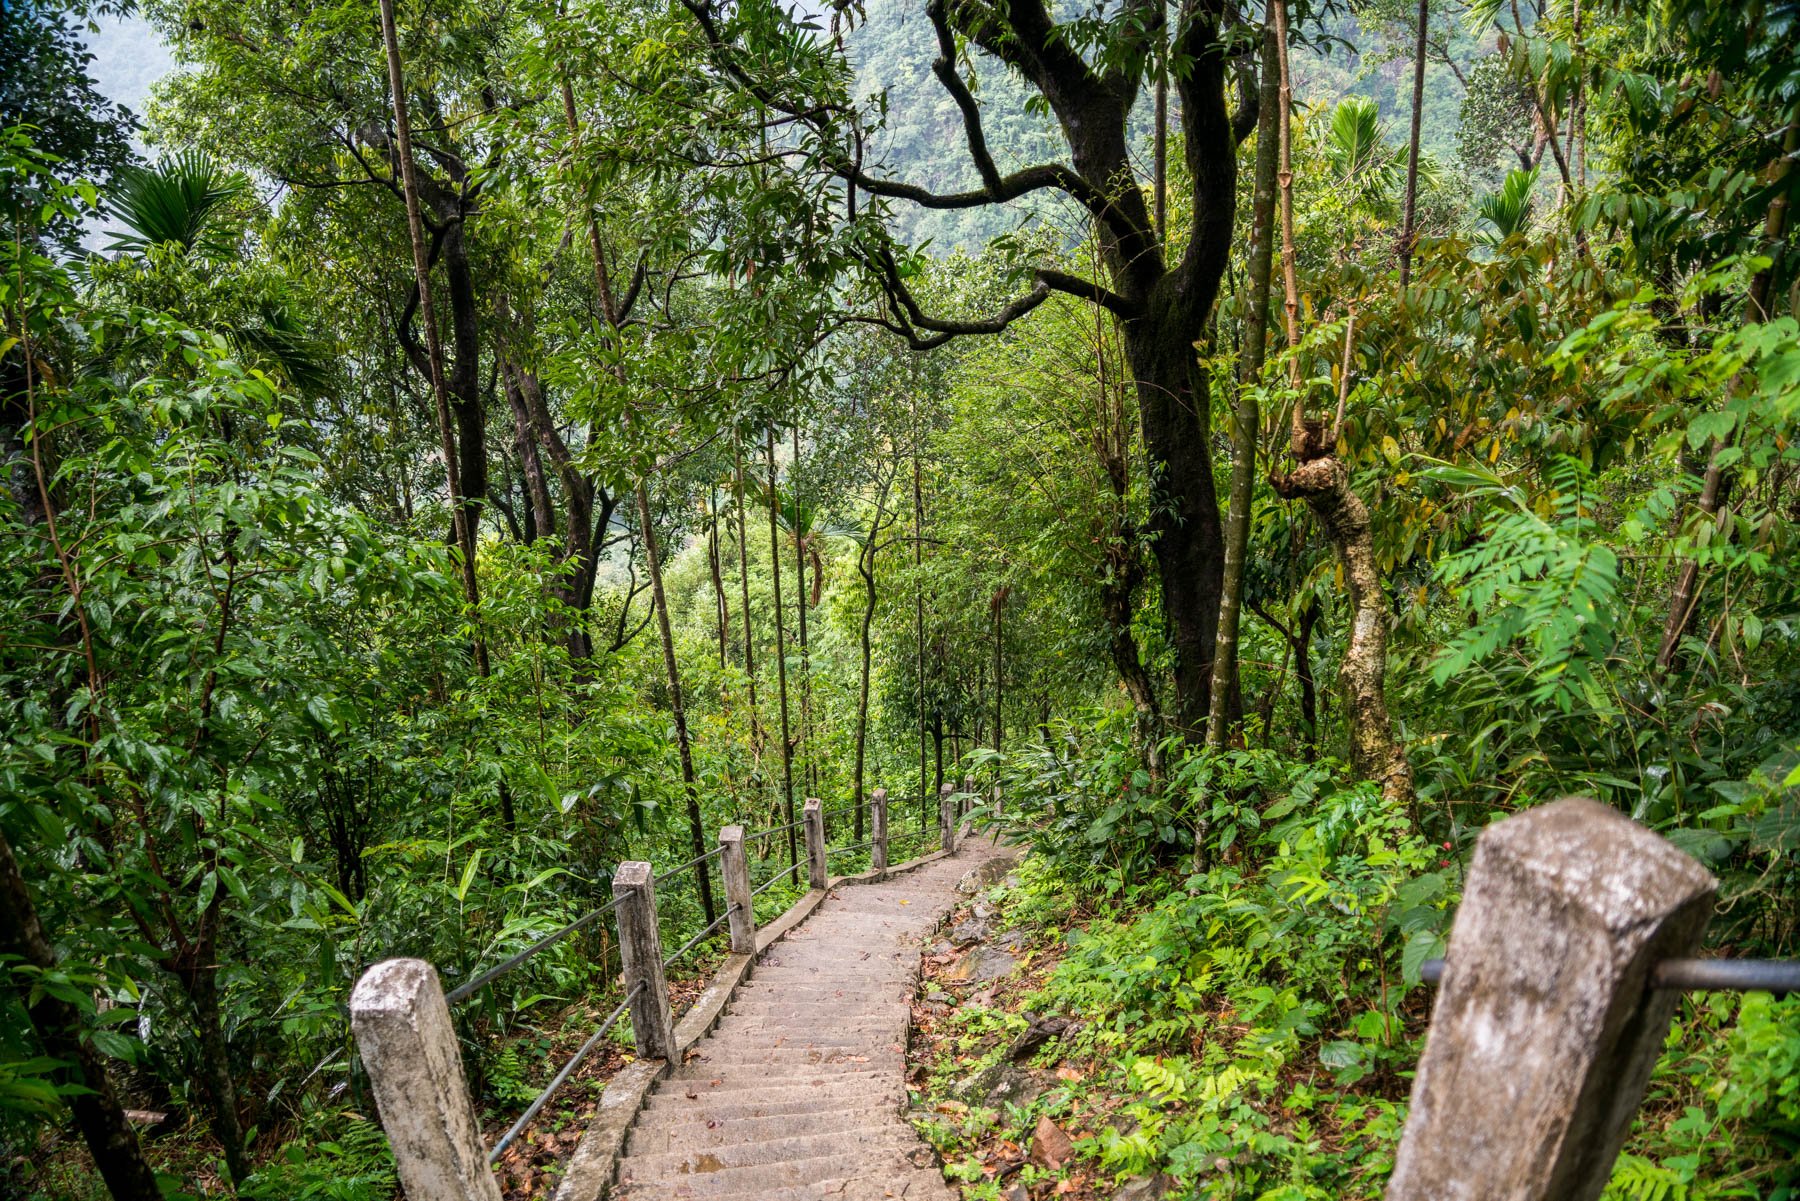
504,441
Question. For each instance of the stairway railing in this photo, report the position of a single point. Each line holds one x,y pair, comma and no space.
400,1013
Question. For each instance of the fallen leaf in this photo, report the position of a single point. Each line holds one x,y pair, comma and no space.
952,1107
1071,1075
1050,1147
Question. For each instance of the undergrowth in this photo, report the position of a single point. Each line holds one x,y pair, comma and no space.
1248,1031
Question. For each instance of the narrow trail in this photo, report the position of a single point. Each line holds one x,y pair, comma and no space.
798,1092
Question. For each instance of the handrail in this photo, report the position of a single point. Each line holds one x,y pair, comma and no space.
468,988
695,941
696,861
772,881
396,1039
556,1082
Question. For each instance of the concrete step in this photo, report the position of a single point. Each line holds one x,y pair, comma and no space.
806,1060
919,1184
729,1104
700,1077
771,1165
670,1130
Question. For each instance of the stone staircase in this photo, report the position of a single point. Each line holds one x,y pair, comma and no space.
799,1090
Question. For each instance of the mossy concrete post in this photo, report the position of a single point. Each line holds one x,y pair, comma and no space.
814,817
947,818
640,950
878,830
1546,1027
409,1047
734,865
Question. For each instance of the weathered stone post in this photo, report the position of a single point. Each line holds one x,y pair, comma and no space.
967,799
878,832
640,951
403,1032
814,816
947,818
1546,1027
735,867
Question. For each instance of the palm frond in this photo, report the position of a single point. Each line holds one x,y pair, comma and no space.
176,201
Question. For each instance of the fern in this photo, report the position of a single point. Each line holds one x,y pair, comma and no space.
1545,583
1635,1178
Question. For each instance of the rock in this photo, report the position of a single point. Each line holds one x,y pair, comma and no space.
1011,880
1012,940
938,996
981,964
1040,1031
973,930
940,947
978,878
1050,1147
982,911
1144,1188
1000,1084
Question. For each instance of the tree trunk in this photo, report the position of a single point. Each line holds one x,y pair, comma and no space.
415,222
61,1032
743,546
809,765
198,972
1408,224
787,738
696,835
1323,481
722,610
1184,514
1684,598
1246,420
919,609
865,566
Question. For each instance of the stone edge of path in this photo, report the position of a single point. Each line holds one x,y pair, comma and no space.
591,1168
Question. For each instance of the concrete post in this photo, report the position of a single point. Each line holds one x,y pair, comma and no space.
968,796
814,816
640,950
947,817
1546,1028
735,867
878,830
403,1032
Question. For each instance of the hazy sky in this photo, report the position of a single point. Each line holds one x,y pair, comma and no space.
128,58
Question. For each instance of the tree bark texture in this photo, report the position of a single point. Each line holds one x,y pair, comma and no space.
1322,480
1246,420
1408,221
456,465
787,738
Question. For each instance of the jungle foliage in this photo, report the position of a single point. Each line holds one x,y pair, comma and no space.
727,403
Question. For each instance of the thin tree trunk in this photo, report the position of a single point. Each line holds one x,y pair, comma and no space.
434,347
743,546
199,976
1323,481
1246,419
1684,598
1408,225
787,738
809,764
722,610
696,834
919,608
60,1030
865,566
